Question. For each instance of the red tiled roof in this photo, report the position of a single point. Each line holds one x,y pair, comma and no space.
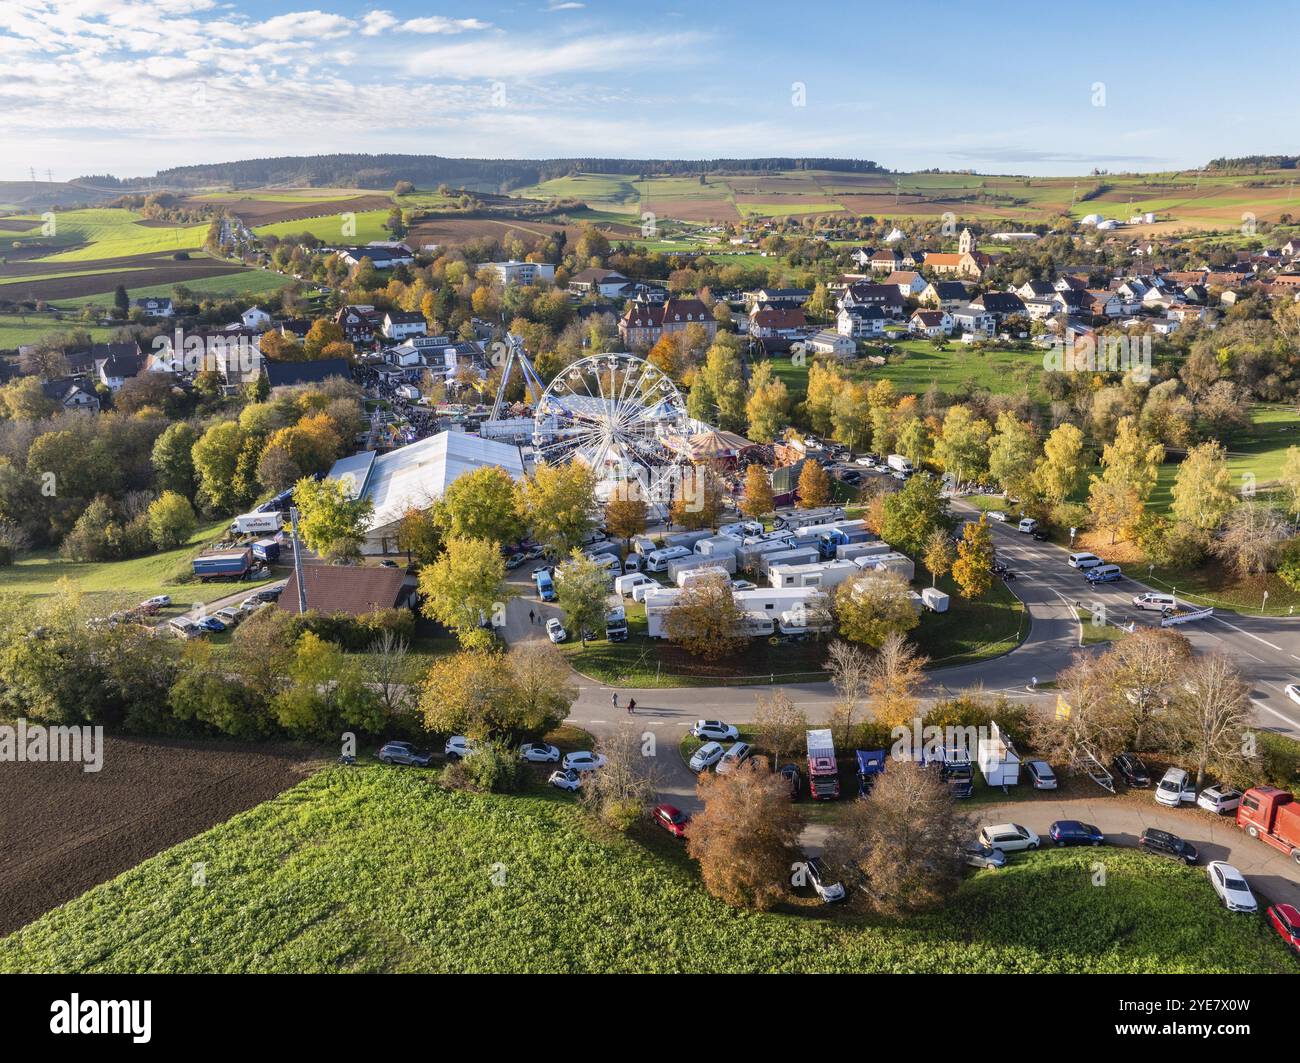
352,589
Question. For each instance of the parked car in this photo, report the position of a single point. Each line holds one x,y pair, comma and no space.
1219,799
1129,767
1084,561
706,756
555,630
1009,837
229,616
566,779
734,757
1104,574
212,624
961,787
977,854
539,753
1230,885
819,877
998,515
251,603
515,560
1041,775
583,761
672,819
1027,526
1175,788
742,585
1285,919
793,778
715,729
1075,832
457,747
158,601
1156,601
404,753
1162,843
388,562
1293,692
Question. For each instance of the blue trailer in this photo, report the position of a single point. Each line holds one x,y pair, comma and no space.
223,564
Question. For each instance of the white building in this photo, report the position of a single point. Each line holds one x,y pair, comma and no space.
416,476
514,272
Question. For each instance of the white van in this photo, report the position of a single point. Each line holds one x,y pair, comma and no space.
657,560
1028,525
625,585
1155,600
1103,574
1084,561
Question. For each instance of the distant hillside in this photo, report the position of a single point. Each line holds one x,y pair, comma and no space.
31,197
482,175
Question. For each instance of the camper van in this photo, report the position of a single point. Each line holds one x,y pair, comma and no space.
657,560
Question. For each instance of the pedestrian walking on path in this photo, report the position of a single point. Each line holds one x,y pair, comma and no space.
532,617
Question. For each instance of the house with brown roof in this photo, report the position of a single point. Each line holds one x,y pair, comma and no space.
352,589
773,322
644,323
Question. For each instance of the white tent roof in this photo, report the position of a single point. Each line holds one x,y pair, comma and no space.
416,475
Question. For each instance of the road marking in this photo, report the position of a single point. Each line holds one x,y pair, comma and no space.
1248,634
1285,719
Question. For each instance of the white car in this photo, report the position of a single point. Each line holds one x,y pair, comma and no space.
1041,774
1219,799
1175,788
458,747
252,604
866,463
742,585
566,779
1230,885
1028,525
159,600
715,729
1009,837
706,756
998,515
555,630
583,761
1293,692
539,753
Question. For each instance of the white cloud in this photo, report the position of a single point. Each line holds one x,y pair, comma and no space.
317,24
438,24
375,22
535,58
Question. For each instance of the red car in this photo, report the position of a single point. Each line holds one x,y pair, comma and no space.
1285,919
673,820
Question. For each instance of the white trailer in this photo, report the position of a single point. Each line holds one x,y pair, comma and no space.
718,546
248,523
852,551
890,562
687,539
697,561
998,761
804,555
688,576
935,599
752,551
803,518
825,574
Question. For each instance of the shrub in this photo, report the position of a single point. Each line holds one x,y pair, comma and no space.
493,768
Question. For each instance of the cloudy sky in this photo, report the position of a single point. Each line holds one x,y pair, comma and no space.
131,86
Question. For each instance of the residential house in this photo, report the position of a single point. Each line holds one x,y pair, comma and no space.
1187,313
944,295
974,319
1100,302
886,296
71,395
352,590
603,282
154,307
255,317
1035,290
291,374
910,283
930,323
399,325
790,298
771,322
123,361
862,256
886,260
382,255
359,323
1001,305
860,322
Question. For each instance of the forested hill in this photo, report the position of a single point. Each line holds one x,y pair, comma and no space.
488,175
1255,162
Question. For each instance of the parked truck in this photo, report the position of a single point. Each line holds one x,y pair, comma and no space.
823,772
899,463
223,564
248,523
615,621
1272,816
267,550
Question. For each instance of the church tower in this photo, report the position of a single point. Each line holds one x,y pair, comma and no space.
966,243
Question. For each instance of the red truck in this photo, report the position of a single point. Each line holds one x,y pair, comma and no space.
823,772
1272,816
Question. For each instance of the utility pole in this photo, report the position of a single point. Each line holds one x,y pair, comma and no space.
297,561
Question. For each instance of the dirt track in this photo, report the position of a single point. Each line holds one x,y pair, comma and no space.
63,830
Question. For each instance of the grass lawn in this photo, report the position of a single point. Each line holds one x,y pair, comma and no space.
17,330
120,583
377,869
1095,634
243,282
970,630
369,226
107,232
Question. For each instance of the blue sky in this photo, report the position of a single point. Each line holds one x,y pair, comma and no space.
131,86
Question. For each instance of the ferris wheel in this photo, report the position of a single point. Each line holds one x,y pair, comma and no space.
617,414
